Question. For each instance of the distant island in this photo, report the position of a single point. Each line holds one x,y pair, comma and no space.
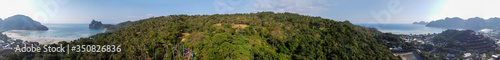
464,41
98,25
253,36
421,23
21,22
476,23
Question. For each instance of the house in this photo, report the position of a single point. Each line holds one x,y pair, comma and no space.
498,48
467,54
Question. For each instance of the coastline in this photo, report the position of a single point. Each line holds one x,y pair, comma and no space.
42,40
401,28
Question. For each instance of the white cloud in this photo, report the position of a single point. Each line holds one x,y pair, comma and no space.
13,7
140,17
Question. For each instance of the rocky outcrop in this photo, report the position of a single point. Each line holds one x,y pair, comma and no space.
21,22
98,25
420,23
95,24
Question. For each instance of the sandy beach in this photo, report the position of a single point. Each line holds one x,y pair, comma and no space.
12,34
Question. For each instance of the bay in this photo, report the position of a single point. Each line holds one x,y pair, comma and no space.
402,28
56,32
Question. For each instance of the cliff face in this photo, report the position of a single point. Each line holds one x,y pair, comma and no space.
21,22
471,23
95,24
98,25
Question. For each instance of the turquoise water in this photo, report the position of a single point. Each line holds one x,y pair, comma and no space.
403,28
63,31
75,31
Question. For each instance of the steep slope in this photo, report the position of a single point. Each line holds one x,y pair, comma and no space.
260,36
98,25
464,40
110,28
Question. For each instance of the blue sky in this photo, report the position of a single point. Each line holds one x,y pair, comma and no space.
356,11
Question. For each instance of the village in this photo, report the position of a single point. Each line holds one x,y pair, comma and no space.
424,44
7,45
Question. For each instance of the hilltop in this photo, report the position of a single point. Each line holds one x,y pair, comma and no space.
259,36
465,41
476,23
98,25
21,22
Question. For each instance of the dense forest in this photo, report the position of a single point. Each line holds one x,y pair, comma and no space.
261,36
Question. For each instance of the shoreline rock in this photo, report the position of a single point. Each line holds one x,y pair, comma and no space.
98,25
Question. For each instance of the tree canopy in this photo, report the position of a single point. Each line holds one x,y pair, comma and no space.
261,36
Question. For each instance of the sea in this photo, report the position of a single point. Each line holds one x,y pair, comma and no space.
402,28
70,32
66,32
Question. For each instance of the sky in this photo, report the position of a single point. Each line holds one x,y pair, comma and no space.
355,11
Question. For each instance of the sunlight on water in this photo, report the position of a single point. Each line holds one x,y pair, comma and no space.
404,28
62,31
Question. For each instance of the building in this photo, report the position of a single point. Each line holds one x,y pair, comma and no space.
476,42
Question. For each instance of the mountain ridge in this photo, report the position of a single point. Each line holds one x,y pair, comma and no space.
475,23
21,22
262,35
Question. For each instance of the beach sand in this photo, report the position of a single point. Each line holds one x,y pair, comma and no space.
12,34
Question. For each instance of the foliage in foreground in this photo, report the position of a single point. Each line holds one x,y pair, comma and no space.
262,36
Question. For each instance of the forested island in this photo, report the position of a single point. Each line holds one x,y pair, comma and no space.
263,35
21,22
476,23
16,22
98,25
460,42
421,23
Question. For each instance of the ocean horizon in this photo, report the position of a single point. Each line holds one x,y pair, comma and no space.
58,32
402,28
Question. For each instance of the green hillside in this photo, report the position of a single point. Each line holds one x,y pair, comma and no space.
464,41
260,36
